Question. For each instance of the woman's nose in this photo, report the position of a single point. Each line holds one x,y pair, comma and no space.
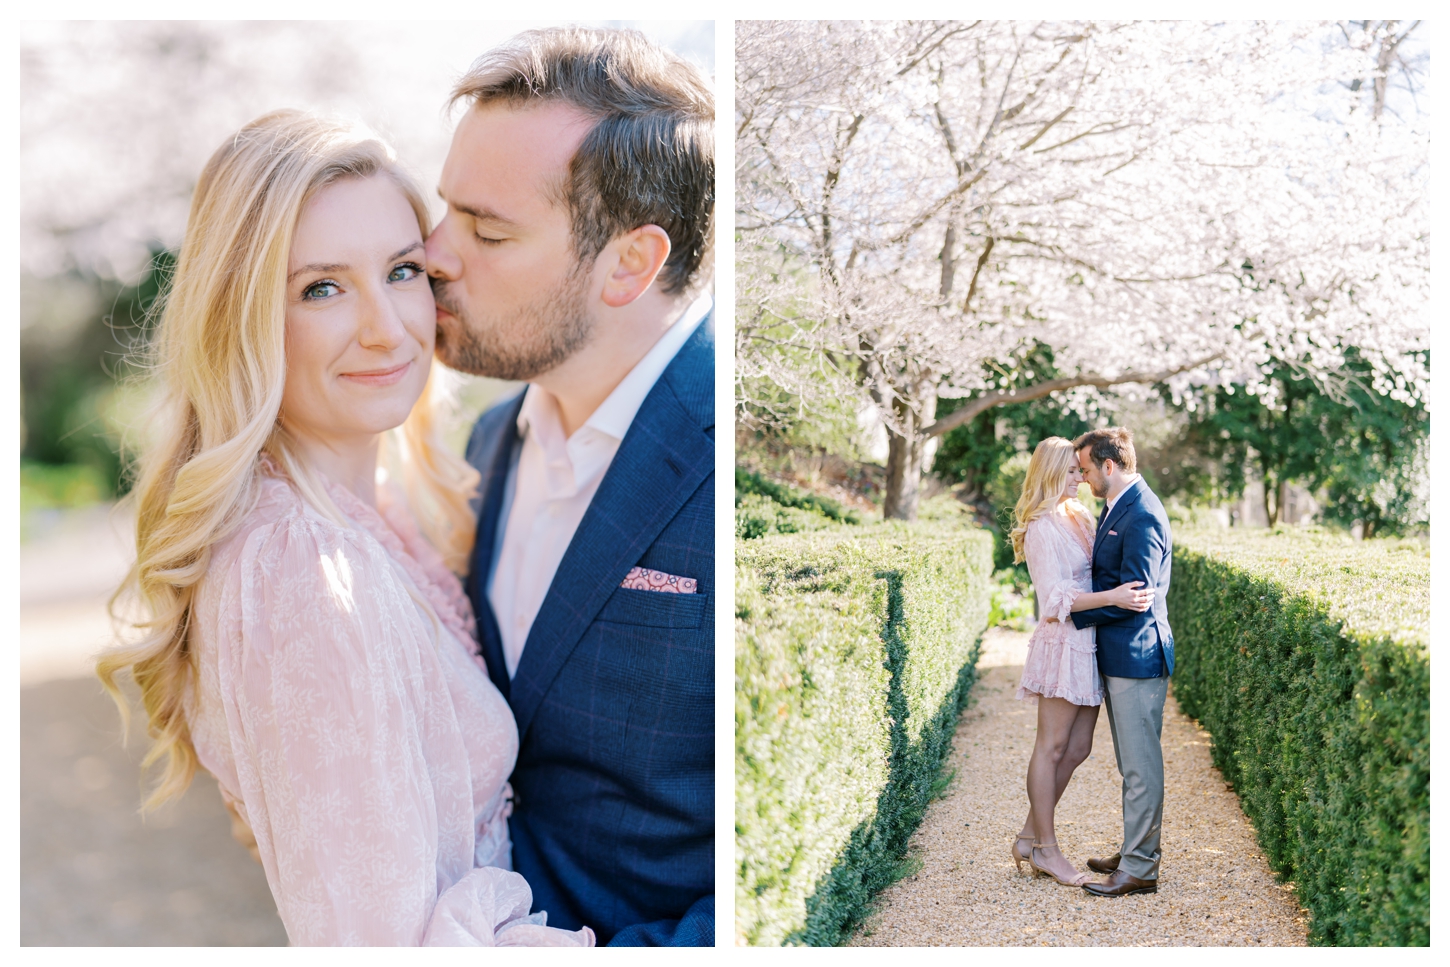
379,325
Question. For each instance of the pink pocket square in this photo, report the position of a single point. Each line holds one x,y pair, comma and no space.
1114,533
643,579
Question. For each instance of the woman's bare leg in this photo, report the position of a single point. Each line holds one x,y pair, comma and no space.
1079,747
1055,719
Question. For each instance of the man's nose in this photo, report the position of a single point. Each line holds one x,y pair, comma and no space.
443,261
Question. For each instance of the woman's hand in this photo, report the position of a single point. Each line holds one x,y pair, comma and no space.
1132,596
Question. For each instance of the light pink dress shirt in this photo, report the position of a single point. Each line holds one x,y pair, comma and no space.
340,706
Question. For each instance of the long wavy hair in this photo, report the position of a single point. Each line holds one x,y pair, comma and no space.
1046,478
219,358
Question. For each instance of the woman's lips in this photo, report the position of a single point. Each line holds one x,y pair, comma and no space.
379,377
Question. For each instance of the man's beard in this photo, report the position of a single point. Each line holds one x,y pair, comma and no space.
536,338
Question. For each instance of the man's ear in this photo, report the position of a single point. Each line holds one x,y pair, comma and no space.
638,257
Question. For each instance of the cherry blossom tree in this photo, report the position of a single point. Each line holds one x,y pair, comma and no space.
1162,204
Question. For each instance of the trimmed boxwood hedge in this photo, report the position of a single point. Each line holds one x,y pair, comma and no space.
1306,656
856,648
748,483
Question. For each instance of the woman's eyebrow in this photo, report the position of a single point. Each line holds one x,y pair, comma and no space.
341,267
317,267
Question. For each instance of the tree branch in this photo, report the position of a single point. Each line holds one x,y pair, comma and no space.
1038,390
977,272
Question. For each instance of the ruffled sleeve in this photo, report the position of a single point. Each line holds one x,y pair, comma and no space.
1046,549
349,755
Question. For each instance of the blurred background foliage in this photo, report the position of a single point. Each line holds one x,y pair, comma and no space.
80,389
1331,451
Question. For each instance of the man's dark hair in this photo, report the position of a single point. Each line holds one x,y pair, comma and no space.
1114,443
650,158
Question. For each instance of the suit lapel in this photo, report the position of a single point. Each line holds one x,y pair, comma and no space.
661,462
493,465
1129,497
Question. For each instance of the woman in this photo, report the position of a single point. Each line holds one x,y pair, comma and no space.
1054,533
307,643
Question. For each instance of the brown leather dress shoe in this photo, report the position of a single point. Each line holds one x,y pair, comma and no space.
1120,884
1107,865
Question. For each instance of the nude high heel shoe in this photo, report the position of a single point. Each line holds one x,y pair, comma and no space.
1018,856
1077,879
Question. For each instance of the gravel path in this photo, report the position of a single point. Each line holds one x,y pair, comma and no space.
95,873
92,871
1216,888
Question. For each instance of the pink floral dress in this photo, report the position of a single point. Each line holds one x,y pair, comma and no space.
1062,661
341,708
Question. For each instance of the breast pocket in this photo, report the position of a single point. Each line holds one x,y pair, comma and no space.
653,609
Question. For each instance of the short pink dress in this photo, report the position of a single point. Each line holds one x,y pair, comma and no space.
1062,660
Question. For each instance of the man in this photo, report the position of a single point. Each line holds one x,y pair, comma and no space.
1135,650
574,254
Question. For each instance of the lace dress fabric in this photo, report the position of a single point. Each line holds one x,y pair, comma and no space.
342,709
1061,659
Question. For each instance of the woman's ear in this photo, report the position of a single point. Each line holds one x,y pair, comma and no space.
639,257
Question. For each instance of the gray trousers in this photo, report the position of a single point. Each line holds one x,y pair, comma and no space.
1135,715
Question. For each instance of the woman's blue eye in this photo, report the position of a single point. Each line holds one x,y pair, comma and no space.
404,272
321,290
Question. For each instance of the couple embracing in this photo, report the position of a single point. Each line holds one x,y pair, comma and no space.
1103,639
449,701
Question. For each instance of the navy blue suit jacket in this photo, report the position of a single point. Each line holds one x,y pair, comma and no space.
614,695
1133,543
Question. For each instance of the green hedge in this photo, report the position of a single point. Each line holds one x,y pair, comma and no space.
855,650
1306,656
756,516
747,483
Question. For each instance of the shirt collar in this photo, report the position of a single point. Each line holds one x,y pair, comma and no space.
617,412
1133,480
574,461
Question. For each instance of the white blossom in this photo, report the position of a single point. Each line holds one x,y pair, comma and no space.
1191,199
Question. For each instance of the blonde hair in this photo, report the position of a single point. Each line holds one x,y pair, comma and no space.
219,356
1046,478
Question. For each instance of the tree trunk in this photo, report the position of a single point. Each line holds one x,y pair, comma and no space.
1273,501
948,261
1388,43
905,460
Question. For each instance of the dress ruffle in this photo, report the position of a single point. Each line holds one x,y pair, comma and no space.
490,908
1061,663
1059,599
